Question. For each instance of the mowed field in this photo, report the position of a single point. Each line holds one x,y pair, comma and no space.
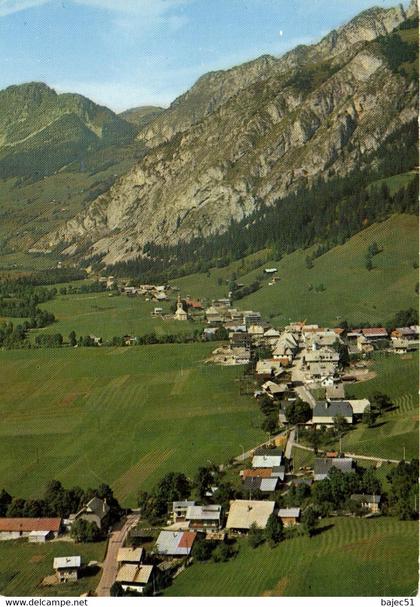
123,416
24,565
351,291
397,377
349,557
106,317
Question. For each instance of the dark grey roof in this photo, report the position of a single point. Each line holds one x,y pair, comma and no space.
251,483
323,465
339,407
278,472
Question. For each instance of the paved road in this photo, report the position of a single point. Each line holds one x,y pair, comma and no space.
110,565
289,444
370,458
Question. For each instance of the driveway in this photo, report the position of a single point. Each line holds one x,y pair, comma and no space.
110,565
289,444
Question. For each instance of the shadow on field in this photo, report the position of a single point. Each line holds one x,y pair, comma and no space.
379,424
320,530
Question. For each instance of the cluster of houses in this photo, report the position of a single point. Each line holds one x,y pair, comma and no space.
401,340
44,529
308,355
189,521
133,573
148,292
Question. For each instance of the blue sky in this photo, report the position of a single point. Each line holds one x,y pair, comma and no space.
124,53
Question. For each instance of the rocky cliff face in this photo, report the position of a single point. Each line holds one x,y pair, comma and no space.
249,135
216,88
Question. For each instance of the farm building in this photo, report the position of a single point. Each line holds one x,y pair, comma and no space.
67,568
175,543
179,510
135,577
335,391
323,466
256,330
251,318
404,333
369,502
95,511
266,485
289,516
274,390
214,314
268,368
267,458
286,347
35,529
359,405
131,556
372,334
325,412
201,518
244,513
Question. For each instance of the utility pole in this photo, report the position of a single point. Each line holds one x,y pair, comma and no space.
403,453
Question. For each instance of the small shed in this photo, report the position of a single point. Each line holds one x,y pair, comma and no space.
289,516
39,537
67,568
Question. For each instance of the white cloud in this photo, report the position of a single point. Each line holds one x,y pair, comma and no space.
7,7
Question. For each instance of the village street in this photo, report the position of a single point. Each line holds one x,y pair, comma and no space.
370,458
110,564
297,377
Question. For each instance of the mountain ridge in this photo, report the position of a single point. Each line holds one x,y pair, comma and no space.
275,134
42,130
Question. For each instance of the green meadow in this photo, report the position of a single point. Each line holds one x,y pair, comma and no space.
399,428
23,566
122,416
107,316
348,557
350,292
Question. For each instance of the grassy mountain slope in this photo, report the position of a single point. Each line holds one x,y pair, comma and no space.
142,116
369,551
41,131
29,209
351,291
57,154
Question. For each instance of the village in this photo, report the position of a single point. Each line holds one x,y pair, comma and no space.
298,374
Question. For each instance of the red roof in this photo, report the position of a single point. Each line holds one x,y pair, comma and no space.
375,331
338,330
30,524
195,303
187,539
